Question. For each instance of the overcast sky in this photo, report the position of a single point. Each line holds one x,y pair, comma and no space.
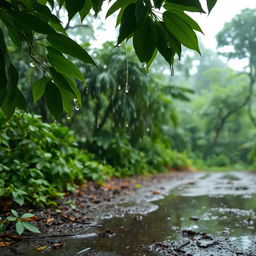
223,12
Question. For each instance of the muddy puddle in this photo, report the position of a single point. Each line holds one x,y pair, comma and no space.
222,205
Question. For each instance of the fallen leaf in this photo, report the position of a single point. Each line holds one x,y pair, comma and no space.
156,192
137,186
49,221
30,218
4,244
57,245
41,248
5,235
71,218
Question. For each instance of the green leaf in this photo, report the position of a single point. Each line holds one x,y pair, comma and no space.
192,23
8,107
119,16
187,5
39,88
67,102
117,5
158,3
11,218
31,227
28,3
2,228
14,213
58,27
163,45
74,88
51,3
61,82
27,215
32,22
3,75
20,102
144,40
128,23
63,65
13,32
13,78
140,13
53,100
97,5
174,44
66,45
211,4
45,13
149,63
73,7
181,30
19,227
86,9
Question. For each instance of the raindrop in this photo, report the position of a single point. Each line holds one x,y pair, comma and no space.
118,45
76,104
126,90
144,64
31,64
68,117
148,129
119,87
127,125
172,71
7,123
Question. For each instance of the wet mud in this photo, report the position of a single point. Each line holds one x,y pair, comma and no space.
193,214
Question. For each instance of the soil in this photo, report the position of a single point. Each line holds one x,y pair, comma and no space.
81,211
165,214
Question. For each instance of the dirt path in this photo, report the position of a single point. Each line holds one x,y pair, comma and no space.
168,214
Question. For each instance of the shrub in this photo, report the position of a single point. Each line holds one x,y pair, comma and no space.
117,151
38,160
160,157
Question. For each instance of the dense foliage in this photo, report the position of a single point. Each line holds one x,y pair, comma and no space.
40,161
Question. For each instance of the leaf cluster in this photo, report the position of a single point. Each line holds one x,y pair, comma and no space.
33,23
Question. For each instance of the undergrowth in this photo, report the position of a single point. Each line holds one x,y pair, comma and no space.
40,162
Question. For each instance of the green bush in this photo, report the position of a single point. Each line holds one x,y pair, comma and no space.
118,152
161,157
40,161
220,160
150,158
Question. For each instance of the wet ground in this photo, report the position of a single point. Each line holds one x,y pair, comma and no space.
194,214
